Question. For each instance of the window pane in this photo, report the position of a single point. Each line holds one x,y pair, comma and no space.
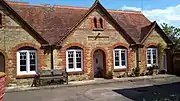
33,68
70,66
116,53
78,65
23,60
123,58
154,61
154,56
149,61
22,68
149,54
32,56
23,55
78,54
32,61
123,55
78,59
117,63
70,54
70,59
117,58
123,63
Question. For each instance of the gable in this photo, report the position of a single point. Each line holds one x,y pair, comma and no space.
149,29
99,7
84,33
16,19
12,33
154,37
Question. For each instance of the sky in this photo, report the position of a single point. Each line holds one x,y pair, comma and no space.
163,11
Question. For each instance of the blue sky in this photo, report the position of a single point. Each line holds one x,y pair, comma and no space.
159,10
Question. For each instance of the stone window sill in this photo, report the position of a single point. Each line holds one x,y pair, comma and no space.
98,29
121,70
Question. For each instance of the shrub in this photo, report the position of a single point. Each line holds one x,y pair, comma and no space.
136,71
109,75
151,69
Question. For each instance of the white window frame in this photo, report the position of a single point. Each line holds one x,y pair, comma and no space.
74,69
120,61
151,56
27,62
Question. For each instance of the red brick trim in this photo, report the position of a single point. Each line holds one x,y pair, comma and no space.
62,55
151,44
14,50
129,56
120,44
92,61
2,87
6,59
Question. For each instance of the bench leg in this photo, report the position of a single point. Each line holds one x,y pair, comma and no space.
39,82
67,81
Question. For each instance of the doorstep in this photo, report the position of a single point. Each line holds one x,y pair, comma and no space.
86,82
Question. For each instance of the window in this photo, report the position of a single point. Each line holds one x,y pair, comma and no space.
120,58
151,56
26,62
74,60
95,23
101,22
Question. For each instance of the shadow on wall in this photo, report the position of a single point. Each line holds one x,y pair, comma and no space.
165,92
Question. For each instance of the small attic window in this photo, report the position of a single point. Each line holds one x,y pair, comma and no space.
101,22
95,22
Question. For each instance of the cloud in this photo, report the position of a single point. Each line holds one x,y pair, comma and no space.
131,8
170,15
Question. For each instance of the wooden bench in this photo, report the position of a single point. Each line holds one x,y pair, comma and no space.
50,76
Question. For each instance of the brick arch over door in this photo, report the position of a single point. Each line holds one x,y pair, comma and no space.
92,60
63,55
40,53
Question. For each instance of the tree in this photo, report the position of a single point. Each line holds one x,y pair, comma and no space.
173,33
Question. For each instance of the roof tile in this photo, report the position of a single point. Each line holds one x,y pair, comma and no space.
52,23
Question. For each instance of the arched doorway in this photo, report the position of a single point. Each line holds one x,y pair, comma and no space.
99,64
2,62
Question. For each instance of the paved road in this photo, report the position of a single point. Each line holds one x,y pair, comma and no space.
147,90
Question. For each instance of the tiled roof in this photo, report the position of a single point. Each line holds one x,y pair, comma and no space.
52,23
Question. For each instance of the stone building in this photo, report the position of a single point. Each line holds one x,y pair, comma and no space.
87,42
